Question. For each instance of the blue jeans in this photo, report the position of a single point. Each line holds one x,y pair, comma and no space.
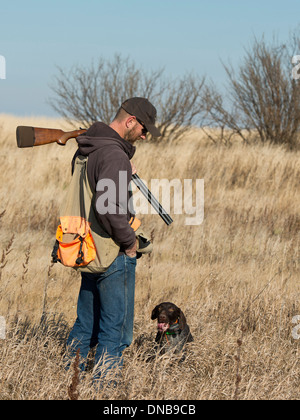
105,312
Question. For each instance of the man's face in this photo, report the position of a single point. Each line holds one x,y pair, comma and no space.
135,132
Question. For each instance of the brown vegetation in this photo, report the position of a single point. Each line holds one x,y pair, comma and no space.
94,93
236,276
262,101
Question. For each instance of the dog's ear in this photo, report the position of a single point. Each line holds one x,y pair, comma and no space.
154,314
182,320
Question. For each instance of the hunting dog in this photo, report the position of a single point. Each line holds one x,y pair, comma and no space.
172,329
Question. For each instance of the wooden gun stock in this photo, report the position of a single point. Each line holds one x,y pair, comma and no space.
34,136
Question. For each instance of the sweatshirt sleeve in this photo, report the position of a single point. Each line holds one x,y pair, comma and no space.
112,199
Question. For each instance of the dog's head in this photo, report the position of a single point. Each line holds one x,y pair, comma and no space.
168,314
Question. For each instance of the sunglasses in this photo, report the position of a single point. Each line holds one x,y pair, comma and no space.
145,131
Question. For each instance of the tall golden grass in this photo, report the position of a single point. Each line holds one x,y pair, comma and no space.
235,276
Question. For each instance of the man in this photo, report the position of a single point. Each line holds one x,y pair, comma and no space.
105,307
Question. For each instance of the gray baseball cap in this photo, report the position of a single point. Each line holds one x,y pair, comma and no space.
144,111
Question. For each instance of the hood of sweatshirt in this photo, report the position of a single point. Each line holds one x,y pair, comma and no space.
108,151
100,135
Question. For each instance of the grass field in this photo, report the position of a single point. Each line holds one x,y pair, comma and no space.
235,276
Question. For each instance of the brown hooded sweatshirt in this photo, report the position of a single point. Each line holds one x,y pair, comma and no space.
108,154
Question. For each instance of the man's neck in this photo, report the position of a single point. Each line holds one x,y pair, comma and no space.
118,128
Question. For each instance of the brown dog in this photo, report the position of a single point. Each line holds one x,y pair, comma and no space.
173,330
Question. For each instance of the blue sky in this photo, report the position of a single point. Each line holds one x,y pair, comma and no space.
36,36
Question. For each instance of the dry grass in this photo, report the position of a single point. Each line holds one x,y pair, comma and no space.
236,276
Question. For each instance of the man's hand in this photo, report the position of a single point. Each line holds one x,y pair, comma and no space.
131,252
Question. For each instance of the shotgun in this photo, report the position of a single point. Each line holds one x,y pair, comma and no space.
35,136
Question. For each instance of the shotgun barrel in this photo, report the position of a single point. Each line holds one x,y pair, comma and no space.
152,200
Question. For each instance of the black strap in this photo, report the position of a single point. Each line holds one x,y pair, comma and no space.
80,253
55,259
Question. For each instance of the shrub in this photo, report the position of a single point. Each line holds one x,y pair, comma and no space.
263,97
94,93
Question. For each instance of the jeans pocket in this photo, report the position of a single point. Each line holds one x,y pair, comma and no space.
131,261
113,268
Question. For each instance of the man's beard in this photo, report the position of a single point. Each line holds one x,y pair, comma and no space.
131,136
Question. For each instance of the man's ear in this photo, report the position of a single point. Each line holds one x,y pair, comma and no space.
130,121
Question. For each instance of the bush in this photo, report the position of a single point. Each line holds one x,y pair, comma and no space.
263,99
85,95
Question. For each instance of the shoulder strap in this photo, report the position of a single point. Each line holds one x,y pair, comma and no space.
73,204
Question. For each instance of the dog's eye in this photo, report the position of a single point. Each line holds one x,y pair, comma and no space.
171,310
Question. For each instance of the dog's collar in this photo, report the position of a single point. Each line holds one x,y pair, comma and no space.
173,329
